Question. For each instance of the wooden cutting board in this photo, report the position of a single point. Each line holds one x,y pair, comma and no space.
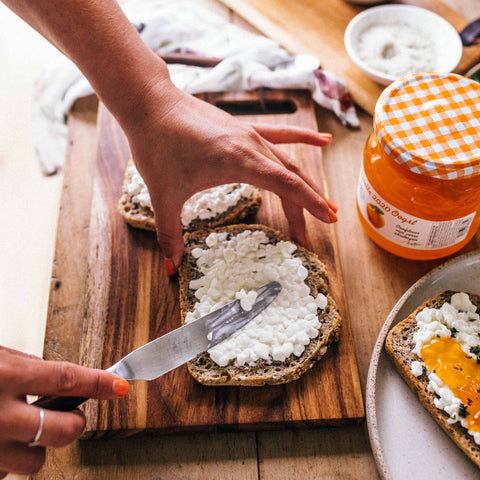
125,299
318,26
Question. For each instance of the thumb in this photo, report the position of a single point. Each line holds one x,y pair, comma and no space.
42,377
169,234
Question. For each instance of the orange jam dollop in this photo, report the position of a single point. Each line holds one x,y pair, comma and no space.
459,372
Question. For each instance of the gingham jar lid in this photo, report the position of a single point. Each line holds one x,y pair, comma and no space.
430,124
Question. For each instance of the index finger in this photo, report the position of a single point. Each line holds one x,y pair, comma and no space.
272,175
293,167
42,377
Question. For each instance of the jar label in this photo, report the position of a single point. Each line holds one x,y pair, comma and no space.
404,229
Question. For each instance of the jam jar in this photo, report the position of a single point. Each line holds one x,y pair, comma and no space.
418,193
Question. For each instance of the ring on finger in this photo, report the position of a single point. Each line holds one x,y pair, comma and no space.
36,441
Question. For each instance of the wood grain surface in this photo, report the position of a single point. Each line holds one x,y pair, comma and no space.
374,281
318,28
67,287
129,300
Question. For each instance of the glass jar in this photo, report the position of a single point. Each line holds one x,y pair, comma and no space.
418,194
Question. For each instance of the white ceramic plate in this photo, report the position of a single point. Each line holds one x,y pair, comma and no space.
406,442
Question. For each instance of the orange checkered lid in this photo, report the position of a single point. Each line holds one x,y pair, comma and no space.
430,124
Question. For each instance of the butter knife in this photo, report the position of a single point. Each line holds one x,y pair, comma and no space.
179,346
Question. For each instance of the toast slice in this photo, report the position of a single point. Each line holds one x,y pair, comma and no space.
399,346
264,370
240,200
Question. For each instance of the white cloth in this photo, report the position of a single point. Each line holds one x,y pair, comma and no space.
249,61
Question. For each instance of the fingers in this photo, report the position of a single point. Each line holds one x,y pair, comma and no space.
40,377
289,186
296,221
21,423
290,134
19,458
293,167
169,231
10,351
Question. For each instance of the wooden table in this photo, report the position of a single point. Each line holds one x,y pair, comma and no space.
374,281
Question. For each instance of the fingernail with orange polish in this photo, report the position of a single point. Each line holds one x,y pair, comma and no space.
305,242
121,387
332,216
332,206
169,266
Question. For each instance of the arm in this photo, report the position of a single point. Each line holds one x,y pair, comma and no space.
180,144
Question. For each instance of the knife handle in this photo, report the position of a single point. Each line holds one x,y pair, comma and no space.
470,33
62,404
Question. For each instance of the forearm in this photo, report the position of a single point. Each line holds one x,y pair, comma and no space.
99,39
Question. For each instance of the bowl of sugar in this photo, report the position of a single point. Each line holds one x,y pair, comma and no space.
389,42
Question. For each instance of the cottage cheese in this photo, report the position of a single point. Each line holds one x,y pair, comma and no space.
232,267
203,205
247,300
460,315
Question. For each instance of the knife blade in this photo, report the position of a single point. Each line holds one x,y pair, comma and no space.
179,346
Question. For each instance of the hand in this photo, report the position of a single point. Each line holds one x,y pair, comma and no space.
21,375
182,145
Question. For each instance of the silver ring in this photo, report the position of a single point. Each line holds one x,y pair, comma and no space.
36,441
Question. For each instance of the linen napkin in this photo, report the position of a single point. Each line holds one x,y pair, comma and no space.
248,61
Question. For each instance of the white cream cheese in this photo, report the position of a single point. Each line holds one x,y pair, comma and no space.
203,205
459,319
397,49
231,267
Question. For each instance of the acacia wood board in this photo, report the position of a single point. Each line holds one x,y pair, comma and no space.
127,300
318,26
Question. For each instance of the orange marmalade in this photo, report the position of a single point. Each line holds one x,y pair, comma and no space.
418,194
459,372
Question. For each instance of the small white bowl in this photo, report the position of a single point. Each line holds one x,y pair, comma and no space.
446,41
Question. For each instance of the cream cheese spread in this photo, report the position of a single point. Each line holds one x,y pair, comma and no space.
202,205
459,318
231,267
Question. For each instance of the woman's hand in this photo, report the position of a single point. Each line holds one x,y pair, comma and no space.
182,145
21,375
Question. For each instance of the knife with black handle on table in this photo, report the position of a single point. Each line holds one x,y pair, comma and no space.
177,347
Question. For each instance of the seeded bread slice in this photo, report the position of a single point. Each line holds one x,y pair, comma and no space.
139,216
399,345
207,372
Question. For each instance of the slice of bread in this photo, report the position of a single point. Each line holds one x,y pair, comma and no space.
141,215
263,372
399,345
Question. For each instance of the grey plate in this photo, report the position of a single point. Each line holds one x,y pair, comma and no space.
406,441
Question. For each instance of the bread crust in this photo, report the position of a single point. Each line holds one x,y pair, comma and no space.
143,217
206,372
399,345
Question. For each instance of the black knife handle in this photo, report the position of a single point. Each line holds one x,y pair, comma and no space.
62,404
470,33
